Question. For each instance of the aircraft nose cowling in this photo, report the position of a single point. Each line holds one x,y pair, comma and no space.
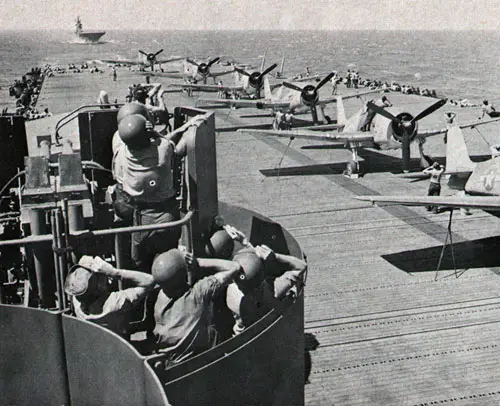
309,95
404,125
255,79
203,69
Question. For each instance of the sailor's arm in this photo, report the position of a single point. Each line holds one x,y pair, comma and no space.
98,265
295,269
224,270
176,136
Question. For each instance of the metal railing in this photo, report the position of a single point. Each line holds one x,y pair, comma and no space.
62,235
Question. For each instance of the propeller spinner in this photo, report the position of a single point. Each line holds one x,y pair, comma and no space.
256,79
203,69
151,57
404,126
309,94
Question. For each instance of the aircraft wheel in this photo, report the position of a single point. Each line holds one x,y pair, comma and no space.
351,169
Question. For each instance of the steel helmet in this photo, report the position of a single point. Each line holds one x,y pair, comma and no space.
133,108
253,269
132,130
220,245
169,269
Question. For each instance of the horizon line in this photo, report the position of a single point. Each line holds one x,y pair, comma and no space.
261,29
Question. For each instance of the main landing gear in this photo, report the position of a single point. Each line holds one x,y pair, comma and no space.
352,170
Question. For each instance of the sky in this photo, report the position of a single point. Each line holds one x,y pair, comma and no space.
252,14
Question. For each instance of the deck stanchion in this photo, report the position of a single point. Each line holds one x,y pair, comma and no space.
41,258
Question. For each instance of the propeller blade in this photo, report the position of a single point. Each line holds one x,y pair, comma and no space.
242,71
213,61
292,86
191,62
325,80
430,109
142,52
159,52
380,110
405,151
273,66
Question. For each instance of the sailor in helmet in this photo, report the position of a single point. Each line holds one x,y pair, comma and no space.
183,312
142,167
97,300
267,278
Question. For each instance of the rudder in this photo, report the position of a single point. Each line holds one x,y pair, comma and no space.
457,155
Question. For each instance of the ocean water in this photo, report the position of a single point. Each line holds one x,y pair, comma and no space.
457,64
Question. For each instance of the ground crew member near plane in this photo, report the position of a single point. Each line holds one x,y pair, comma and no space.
436,172
488,109
145,162
370,114
449,117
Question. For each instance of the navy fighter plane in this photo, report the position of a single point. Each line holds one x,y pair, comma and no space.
149,59
390,129
480,180
290,98
195,71
250,85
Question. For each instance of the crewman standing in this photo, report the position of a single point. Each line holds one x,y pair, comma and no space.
370,114
145,159
436,172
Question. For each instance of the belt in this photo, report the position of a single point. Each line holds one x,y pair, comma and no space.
138,204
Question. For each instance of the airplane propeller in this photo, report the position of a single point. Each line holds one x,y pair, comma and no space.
255,79
309,94
151,57
404,126
203,68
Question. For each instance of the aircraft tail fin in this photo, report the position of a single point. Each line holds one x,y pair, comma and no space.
457,155
282,65
341,116
267,89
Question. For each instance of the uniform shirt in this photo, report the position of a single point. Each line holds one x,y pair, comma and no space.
488,109
382,103
113,313
435,174
118,147
182,325
250,307
147,172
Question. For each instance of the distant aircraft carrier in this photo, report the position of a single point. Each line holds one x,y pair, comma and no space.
88,36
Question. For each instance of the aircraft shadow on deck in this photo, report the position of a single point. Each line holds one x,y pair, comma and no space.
481,253
373,161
